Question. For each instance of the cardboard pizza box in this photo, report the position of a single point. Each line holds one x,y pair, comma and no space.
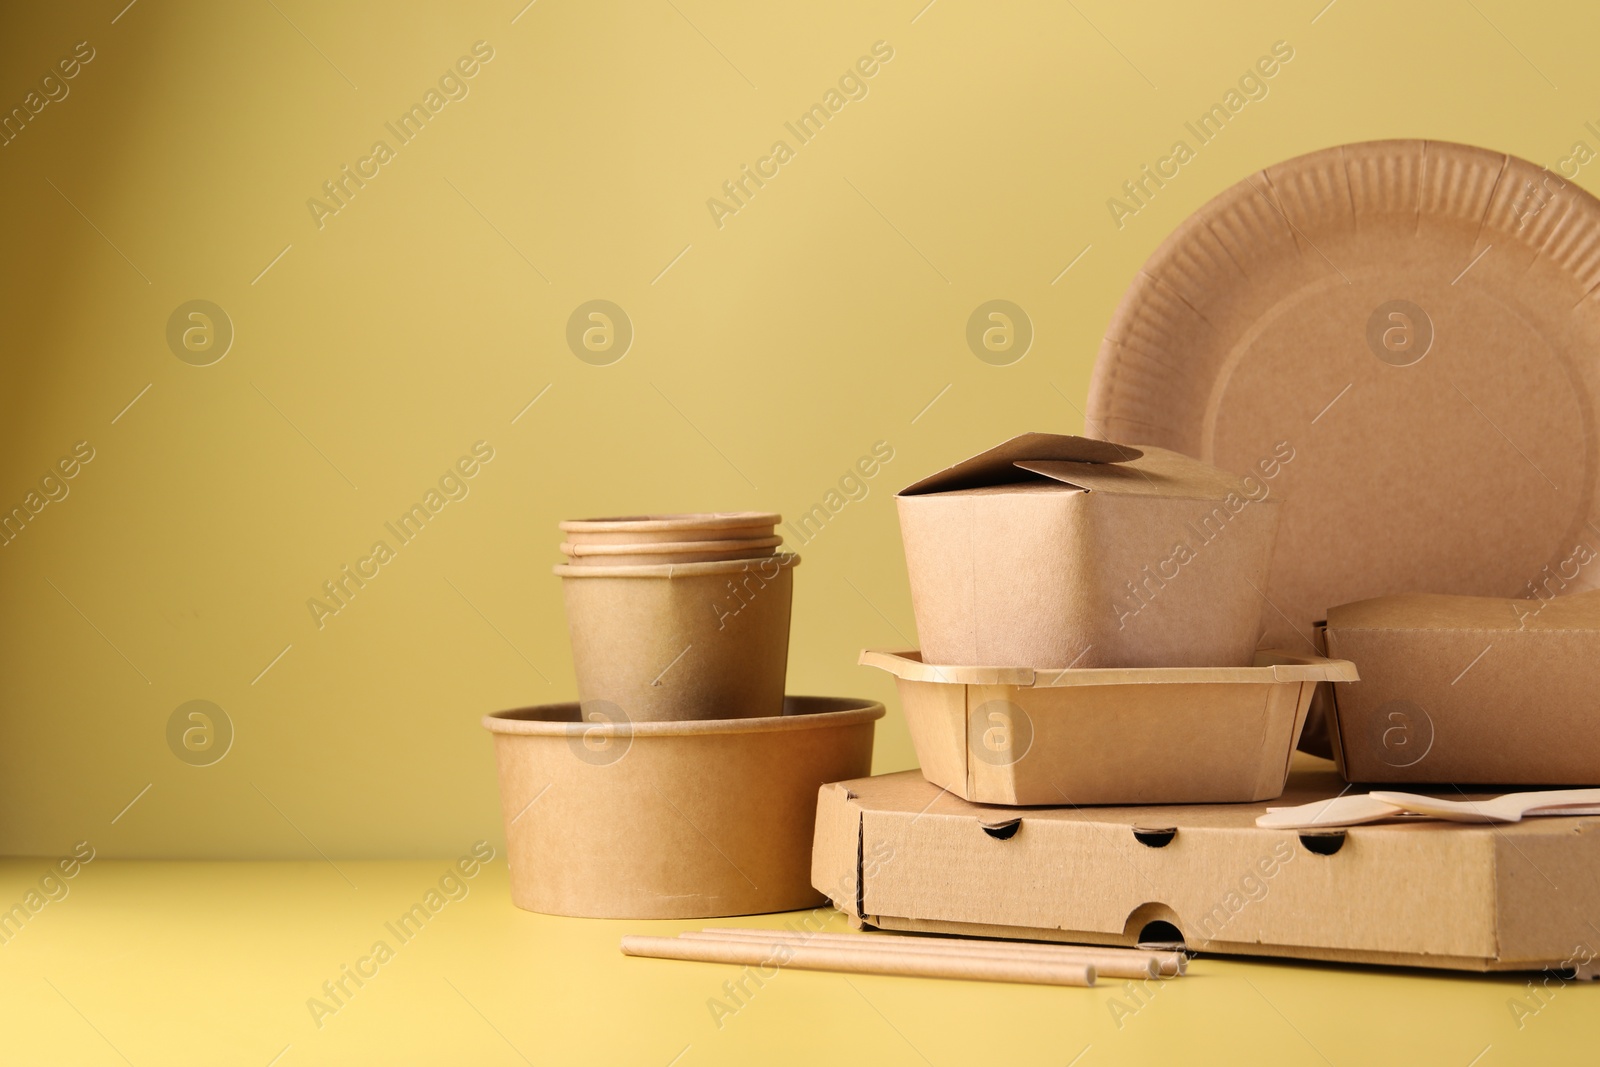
899,853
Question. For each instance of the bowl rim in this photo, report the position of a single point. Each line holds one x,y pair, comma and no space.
828,712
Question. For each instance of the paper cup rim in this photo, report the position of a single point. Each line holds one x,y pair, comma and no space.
703,520
674,570
830,711
661,548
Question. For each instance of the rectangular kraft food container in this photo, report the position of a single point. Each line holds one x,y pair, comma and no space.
1147,735
1058,551
896,853
1469,689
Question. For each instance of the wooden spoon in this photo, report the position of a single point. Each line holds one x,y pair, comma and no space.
1508,808
1352,809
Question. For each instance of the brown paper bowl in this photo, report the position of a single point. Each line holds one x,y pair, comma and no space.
673,642
647,553
701,526
671,820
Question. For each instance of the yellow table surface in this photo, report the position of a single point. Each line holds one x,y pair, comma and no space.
214,963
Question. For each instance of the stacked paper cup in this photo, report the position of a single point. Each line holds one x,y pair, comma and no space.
678,617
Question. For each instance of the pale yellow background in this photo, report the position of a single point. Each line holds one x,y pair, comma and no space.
769,355
823,317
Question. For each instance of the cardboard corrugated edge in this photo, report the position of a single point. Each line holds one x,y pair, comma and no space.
836,849
1485,908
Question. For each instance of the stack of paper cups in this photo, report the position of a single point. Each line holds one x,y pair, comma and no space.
649,539
678,617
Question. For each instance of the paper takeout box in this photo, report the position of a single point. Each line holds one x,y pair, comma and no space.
1057,551
897,853
1131,735
1469,689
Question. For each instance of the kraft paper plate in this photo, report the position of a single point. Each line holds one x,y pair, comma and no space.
1418,324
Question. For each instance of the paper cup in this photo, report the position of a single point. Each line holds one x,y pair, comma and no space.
671,820
641,529
674,642
624,555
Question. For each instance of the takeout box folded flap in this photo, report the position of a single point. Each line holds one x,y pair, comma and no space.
1084,464
1003,464
1155,472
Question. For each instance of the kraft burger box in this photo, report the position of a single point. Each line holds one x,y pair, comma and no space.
897,853
1464,689
1051,551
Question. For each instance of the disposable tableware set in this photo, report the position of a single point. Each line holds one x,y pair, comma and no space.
1293,527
